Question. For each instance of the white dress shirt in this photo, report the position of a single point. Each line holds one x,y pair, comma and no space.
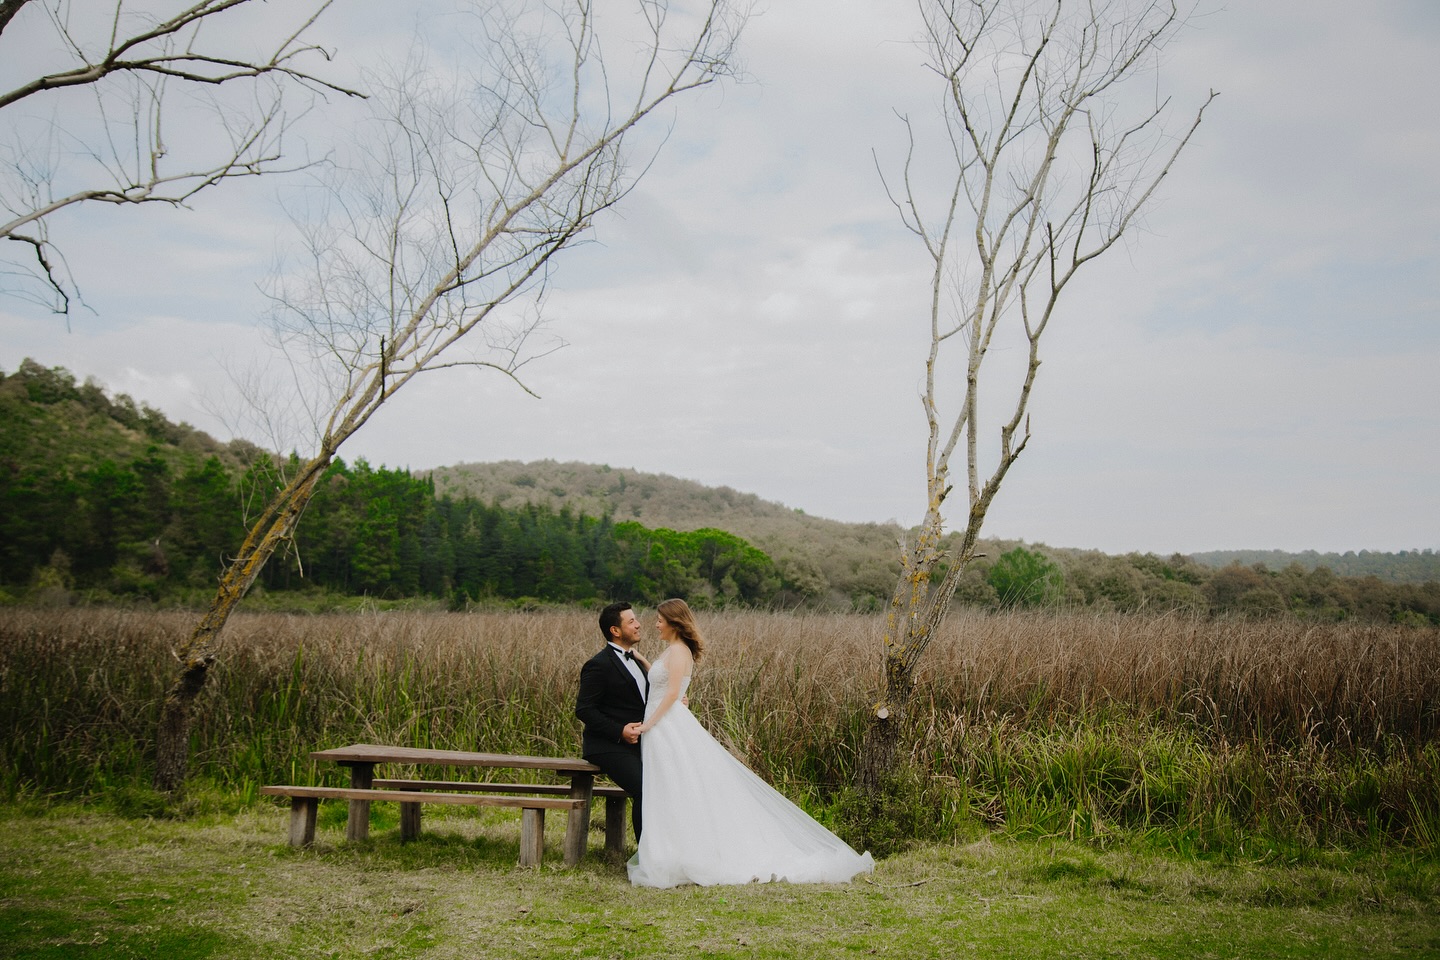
632,666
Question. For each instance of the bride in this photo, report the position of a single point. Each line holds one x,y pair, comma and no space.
708,818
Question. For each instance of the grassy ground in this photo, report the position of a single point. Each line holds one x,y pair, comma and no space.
76,883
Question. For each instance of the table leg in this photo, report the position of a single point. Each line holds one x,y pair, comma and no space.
532,836
577,827
357,823
615,825
409,821
302,820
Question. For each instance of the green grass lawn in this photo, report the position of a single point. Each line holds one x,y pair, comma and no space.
77,884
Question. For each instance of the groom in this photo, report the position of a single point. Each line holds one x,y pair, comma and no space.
611,704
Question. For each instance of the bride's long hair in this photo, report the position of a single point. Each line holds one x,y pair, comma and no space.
677,613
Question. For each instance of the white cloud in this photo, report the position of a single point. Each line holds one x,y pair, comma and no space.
1256,369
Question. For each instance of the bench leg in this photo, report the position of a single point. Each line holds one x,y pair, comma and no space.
577,825
302,820
409,821
532,836
615,825
357,822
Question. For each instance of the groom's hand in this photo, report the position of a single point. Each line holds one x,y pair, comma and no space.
630,733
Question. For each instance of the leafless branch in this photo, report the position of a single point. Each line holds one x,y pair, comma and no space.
113,149
1049,182
438,232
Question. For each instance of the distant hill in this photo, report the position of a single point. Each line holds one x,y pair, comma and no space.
855,558
1407,566
66,445
47,418
654,499
850,558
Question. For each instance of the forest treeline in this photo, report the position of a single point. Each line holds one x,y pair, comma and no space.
104,500
847,554
1404,566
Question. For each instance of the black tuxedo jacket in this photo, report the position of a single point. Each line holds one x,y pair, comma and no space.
608,699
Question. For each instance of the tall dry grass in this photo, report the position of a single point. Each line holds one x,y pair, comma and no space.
1046,723
1341,685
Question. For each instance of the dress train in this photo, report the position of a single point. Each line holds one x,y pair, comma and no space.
710,820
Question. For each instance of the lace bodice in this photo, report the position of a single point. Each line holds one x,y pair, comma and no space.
659,678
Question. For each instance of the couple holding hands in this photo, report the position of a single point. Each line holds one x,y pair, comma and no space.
708,819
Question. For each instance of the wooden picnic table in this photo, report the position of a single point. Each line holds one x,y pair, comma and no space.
363,758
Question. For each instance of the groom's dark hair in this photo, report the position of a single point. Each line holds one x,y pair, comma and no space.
610,617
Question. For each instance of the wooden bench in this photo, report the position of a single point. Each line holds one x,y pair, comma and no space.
363,758
305,801
615,800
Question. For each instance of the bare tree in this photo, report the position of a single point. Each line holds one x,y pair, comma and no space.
1048,157
431,244
98,120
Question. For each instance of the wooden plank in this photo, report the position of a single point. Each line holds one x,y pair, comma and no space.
532,836
465,786
304,801
379,753
411,796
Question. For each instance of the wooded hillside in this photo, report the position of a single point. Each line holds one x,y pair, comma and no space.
1406,566
102,500
823,557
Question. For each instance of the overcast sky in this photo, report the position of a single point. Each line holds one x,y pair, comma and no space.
1258,368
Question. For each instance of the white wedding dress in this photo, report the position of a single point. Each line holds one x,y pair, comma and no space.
710,820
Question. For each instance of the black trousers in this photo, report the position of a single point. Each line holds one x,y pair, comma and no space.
625,769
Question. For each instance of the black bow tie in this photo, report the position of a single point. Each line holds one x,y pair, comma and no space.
629,655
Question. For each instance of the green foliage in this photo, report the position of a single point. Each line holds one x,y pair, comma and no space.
910,809
822,563
104,496
829,565
1144,582
1023,578
707,564
131,516
1404,566
383,533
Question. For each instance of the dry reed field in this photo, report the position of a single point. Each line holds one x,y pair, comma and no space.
1200,734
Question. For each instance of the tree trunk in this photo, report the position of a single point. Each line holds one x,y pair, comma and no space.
882,736
172,748
917,610
275,526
